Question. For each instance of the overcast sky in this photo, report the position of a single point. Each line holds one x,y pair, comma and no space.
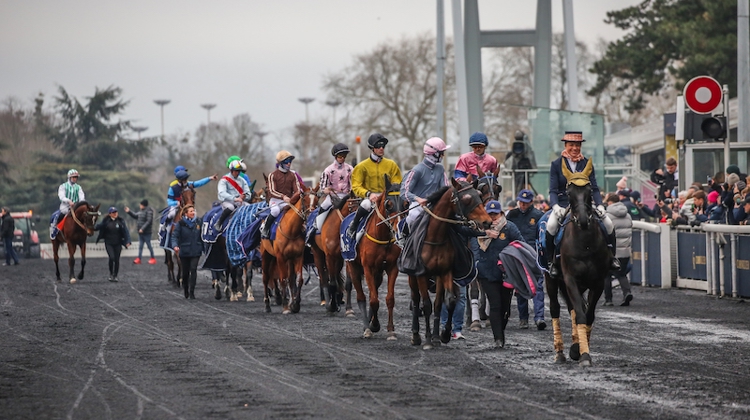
254,56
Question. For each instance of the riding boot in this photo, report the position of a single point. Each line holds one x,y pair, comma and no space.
612,244
192,288
224,214
266,232
551,256
352,229
185,288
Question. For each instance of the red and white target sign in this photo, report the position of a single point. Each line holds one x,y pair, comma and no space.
702,94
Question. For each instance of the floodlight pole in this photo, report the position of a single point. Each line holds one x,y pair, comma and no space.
161,103
139,130
208,108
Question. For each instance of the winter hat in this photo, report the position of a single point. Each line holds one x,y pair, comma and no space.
733,169
741,185
622,183
144,202
732,179
636,196
713,197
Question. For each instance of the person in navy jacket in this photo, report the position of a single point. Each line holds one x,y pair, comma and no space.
574,161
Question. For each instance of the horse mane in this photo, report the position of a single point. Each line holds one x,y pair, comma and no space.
81,203
434,197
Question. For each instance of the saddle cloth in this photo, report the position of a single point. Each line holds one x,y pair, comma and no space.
349,243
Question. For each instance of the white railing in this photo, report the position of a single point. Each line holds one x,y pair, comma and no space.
715,236
96,250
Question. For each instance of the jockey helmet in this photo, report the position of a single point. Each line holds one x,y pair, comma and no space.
235,165
435,145
182,175
339,148
243,167
376,140
284,155
232,159
478,139
178,169
72,173
574,136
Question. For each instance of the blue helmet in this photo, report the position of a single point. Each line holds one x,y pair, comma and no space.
182,175
178,169
478,139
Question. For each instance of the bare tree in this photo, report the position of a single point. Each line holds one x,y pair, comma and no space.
392,90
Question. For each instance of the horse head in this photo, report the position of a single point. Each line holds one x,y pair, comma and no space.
579,194
391,198
313,198
87,215
488,185
468,203
188,196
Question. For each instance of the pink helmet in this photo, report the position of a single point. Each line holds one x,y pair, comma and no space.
435,145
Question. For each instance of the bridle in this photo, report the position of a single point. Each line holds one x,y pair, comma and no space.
393,197
459,208
488,181
94,215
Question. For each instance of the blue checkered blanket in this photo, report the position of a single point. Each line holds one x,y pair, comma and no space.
241,219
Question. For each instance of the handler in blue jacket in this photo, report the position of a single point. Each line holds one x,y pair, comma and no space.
187,242
490,275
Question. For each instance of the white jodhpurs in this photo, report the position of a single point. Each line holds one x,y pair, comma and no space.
553,224
277,205
228,205
415,210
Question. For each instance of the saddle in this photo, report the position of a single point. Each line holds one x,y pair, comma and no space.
349,243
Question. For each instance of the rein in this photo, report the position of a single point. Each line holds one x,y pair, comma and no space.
78,222
390,227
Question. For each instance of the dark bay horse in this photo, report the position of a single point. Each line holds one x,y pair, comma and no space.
459,204
78,225
283,257
487,184
585,260
326,249
188,198
377,253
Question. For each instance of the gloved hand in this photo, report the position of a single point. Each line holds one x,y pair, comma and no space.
601,211
559,211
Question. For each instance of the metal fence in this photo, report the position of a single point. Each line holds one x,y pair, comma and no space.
708,257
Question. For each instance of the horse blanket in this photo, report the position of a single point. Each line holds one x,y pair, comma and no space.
522,271
209,234
349,243
241,219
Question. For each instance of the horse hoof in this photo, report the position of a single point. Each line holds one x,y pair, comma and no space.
350,313
585,360
268,309
73,280
392,336
436,342
476,326
560,358
250,298
374,325
367,333
416,340
427,347
575,352
286,312
445,337
322,303
233,298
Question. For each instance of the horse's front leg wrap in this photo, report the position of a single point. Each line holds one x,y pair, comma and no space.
557,333
583,335
588,331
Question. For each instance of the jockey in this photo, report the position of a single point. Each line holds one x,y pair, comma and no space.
174,194
467,162
242,170
233,190
558,196
284,188
69,193
336,178
426,178
367,178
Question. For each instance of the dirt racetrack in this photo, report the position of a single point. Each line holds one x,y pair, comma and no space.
138,349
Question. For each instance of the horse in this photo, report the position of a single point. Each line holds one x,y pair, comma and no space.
487,184
187,198
326,248
77,226
283,257
585,260
458,204
378,252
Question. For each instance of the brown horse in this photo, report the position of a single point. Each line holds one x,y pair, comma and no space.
460,204
378,252
284,256
188,198
77,226
326,249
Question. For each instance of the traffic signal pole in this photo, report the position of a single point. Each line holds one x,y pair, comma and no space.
727,150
